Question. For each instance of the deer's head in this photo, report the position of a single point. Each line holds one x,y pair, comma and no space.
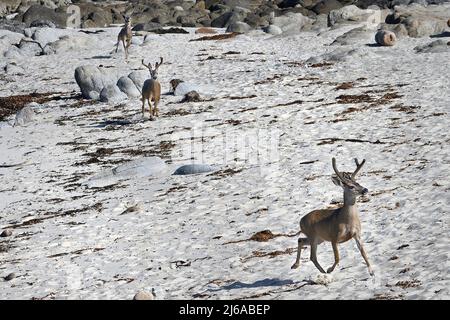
127,20
347,180
153,70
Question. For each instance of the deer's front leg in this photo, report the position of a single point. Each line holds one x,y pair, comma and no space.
314,244
143,107
151,109
125,49
363,253
336,257
128,45
155,108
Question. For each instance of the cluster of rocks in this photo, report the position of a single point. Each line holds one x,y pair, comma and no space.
403,17
417,21
105,85
235,15
30,29
36,41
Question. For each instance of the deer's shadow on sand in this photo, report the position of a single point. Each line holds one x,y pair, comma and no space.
273,282
105,123
100,57
373,45
125,121
444,34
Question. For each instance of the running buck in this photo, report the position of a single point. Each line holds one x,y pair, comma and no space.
151,90
125,36
335,225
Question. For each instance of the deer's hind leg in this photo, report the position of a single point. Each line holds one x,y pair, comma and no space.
314,244
301,242
155,108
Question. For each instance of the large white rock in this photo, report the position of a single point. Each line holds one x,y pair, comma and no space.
92,80
67,43
359,36
436,46
185,87
354,14
290,21
112,94
193,169
30,48
273,30
239,27
338,55
47,35
24,116
127,86
139,77
12,68
140,168
13,53
419,21
7,39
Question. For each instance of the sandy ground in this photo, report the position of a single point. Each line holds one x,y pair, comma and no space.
270,123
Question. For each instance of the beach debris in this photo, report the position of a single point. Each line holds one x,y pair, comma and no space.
385,38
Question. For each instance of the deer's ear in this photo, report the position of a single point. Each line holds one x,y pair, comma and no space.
336,180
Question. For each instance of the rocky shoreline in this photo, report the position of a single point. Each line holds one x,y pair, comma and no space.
39,30
235,15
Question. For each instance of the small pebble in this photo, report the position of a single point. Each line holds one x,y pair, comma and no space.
6,233
10,276
143,295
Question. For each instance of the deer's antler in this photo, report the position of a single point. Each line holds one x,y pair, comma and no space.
358,167
149,66
333,162
160,63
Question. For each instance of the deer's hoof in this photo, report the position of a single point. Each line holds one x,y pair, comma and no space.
295,265
330,270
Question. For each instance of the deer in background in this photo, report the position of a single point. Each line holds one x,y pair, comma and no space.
151,89
335,225
125,36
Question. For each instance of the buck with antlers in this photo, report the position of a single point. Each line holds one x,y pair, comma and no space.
151,90
125,36
335,225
